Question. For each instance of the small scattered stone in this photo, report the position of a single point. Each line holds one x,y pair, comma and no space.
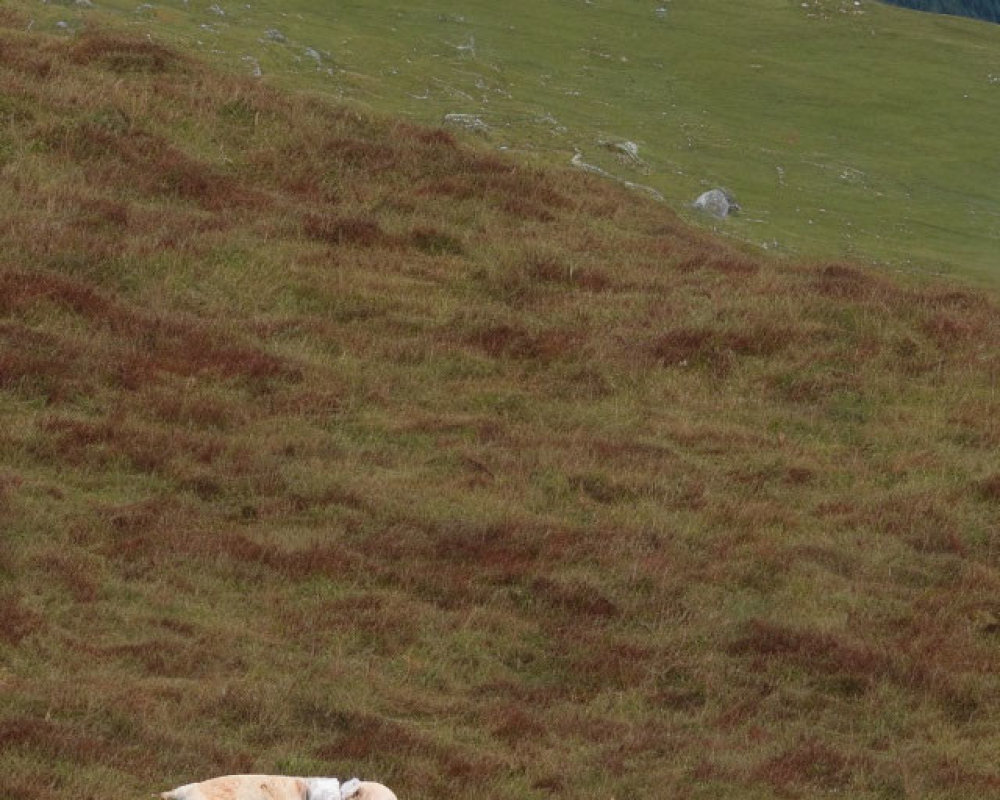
254,65
469,121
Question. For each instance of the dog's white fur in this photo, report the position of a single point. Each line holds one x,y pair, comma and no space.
279,787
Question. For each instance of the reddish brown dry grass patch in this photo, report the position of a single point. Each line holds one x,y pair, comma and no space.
436,139
499,552
989,488
719,349
516,725
124,54
190,409
74,573
849,666
364,738
923,520
17,620
949,330
810,764
951,774
727,263
147,516
338,230
363,154
151,535
53,738
21,57
117,153
577,599
356,736
435,242
512,341
20,290
10,482
37,363
550,268
177,344
78,441
520,193
824,653
13,18
845,282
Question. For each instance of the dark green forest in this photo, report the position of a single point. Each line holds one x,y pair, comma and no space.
980,9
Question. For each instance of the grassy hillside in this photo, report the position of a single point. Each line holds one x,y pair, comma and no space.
329,445
851,129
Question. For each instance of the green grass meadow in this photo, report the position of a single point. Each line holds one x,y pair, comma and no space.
335,443
852,130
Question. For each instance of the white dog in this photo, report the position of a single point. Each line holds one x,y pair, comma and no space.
279,787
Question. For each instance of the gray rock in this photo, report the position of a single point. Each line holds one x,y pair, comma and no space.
717,202
628,151
274,35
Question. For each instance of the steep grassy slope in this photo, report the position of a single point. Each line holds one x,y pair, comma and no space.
328,445
845,128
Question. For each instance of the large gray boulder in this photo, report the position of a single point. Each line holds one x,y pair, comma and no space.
717,202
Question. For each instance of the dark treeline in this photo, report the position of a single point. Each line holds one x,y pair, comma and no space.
980,9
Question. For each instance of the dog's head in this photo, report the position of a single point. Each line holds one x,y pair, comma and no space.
367,790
